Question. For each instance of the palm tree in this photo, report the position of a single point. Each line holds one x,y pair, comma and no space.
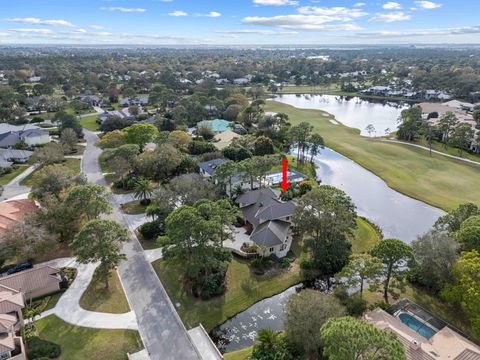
267,338
143,191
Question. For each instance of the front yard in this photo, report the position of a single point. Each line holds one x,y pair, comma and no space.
111,300
6,178
79,343
71,164
89,122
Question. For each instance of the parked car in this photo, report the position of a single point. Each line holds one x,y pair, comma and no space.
19,267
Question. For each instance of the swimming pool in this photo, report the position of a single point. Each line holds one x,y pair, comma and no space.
423,329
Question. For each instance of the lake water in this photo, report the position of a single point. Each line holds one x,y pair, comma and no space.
352,111
398,216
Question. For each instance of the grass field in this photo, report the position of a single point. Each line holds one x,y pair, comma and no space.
239,354
6,178
111,300
436,180
89,122
134,208
72,164
438,146
364,237
79,343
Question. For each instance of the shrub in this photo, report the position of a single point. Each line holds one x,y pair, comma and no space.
380,304
356,305
39,348
151,230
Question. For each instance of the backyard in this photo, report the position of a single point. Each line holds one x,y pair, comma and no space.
409,170
79,343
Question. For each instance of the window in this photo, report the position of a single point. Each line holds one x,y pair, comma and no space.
271,249
283,247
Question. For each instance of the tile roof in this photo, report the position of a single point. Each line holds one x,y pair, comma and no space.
6,322
32,279
14,210
7,343
11,300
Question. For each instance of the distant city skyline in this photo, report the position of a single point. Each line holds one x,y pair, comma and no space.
239,22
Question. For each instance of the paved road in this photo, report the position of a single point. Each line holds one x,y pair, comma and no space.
13,188
160,327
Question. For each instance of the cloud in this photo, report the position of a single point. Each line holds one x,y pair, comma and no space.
299,22
257,32
423,32
37,21
275,2
211,14
33,31
346,14
391,17
96,27
428,5
178,13
4,34
123,9
359,4
391,5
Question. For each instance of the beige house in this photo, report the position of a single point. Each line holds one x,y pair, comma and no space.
445,344
11,320
34,282
223,139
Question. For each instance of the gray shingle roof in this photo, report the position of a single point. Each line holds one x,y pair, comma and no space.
270,233
210,166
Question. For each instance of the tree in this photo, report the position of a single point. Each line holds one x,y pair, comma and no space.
299,135
462,137
451,222
395,256
263,146
100,240
67,121
205,131
159,164
464,290
53,179
469,234
140,134
112,139
188,189
370,129
143,191
88,200
447,123
232,112
327,215
49,154
361,269
348,338
68,138
225,173
410,125
271,345
316,143
435,252
180,139
304,313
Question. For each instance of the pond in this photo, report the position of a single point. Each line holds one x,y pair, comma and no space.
354,112
398,215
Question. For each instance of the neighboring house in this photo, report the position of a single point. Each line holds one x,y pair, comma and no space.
239,129
217,125
11,320
122,114
34,283
377,90
268,221
139,101
460,105
12,211
34,79
424,336
92,100
241,81
207,168
224,139
32,135
16,156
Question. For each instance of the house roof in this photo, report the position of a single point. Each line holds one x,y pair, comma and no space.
15,154
32,279
6,322
217,125
224,139
270,233
10,300
5,128
14,210
7,343
210,166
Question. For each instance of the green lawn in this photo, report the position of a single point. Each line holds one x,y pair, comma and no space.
111,300
89,122
364,236
243,290
72,164
438,146
134,208
239,354
436,180
307,168
79,343
6,178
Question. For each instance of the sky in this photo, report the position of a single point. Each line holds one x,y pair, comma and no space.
238,22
